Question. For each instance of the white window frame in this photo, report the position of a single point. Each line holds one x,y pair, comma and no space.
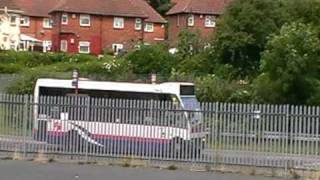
66,18
16,19
84,44
25,21
148,27
118,22
138,24
85,16
191,20
64,46
116,48
210,21
47,23
47,45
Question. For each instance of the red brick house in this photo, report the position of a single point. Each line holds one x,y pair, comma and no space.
194,15
36,21
81,26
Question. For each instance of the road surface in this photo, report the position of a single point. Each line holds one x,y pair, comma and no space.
22,170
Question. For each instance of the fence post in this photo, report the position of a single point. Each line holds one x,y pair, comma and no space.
25,123
287,139
87,119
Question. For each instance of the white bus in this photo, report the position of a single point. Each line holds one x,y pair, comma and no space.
56,125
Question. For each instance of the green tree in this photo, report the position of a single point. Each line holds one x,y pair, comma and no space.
162,6
242,33
306,11
189,43
151,59
290,67
212,88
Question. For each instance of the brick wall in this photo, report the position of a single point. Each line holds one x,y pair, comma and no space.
101,34
73,33
36,30
179,22
127,36
158,35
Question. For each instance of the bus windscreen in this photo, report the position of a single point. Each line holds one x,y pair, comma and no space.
187,90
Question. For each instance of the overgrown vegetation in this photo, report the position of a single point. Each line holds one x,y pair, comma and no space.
263,51
162,6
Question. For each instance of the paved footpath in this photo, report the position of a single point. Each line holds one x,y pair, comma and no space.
23,170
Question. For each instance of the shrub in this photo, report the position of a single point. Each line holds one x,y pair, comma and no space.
106,68
15,62
290,67
212,88
151,59
189,43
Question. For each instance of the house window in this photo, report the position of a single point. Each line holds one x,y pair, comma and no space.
47,46
13,45
25,21
138,24
148,27
84,47
117,48
85,20
47,23
210,21
64,19
118,23
63,45
13,20
191,20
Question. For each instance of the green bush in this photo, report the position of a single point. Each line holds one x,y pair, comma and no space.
29,77
290,67
15,62
106,68
152,59
212,88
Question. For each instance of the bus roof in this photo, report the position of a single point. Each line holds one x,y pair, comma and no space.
168,87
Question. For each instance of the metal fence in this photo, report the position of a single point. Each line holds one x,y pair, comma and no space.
218,133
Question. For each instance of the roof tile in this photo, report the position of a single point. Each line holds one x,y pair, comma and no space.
126,8
101,7
10,4
199,7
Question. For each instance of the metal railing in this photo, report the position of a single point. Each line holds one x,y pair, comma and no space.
218,133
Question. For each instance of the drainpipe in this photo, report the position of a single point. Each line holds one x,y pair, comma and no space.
142,31
58,33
